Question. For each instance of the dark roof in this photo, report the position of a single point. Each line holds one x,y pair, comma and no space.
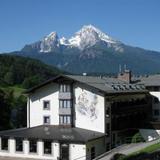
151,80
54,133
108,84
104,84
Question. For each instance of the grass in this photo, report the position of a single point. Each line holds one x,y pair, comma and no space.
151,148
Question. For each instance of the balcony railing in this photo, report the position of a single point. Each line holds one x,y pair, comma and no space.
65,95
127,109
65,111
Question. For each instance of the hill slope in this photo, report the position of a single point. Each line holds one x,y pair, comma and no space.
27,72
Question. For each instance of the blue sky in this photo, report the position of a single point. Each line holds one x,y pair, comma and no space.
134,22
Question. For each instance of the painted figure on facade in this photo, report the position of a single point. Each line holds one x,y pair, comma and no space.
86,105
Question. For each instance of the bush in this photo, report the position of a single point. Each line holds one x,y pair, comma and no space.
118,156
137,138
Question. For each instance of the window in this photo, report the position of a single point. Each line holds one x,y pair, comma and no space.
46,105
47,147
65,119
65,88
4,144
46,120
156,112
33,146
19,145
65,103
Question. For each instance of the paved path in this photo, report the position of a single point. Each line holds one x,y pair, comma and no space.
126,149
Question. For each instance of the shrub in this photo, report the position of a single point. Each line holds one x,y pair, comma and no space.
137,138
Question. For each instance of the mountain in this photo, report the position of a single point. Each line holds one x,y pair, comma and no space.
25,72
87,37
91,50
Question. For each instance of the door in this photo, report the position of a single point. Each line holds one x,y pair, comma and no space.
64,152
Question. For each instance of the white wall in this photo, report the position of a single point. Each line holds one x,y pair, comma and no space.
157,105
89,108
93,110
48,92
77,151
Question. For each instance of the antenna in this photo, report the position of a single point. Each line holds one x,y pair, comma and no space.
125,67
120,68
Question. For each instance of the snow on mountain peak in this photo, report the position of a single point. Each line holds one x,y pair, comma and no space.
64,41
89,36
86,37
49,42
51,36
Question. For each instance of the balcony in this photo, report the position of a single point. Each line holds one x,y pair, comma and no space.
65,95
130,109
65,111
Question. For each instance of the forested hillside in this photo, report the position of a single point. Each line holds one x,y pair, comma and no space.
27,72
16,75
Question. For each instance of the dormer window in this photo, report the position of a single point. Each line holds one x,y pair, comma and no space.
65,88
46,105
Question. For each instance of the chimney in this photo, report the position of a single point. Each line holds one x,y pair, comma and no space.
125,76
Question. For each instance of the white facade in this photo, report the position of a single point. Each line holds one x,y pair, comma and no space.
156,104
36,111
75,150
26,154
90,108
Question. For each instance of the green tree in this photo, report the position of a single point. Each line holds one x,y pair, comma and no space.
31,81
19,112
5,113
9,78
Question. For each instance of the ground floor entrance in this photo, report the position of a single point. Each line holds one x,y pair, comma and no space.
64,151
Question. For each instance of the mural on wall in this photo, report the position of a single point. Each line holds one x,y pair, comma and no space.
87,105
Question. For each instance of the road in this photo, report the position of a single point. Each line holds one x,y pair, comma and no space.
126,149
